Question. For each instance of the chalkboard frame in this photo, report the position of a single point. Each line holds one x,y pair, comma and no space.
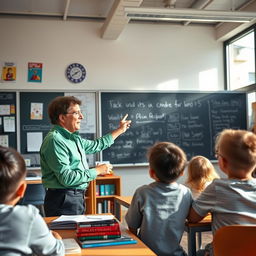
145,163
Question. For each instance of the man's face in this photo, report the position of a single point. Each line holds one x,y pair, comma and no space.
72,120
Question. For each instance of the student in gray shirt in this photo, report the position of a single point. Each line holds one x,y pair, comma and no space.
158,211
22,229
232,200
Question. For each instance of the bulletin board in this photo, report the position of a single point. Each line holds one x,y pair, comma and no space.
8,118
35,123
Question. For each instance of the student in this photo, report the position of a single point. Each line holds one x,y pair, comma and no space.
159,210
23,230
231,200
66,173
200,174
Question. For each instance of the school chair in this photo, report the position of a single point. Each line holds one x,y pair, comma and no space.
235,240
34,195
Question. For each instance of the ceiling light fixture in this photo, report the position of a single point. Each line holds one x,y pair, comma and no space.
188,15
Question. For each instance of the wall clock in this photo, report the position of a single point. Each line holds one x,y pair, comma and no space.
75,73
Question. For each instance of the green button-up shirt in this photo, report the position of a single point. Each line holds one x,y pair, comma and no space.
63,158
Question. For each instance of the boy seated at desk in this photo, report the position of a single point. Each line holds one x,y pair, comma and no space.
22,229
159,210
232,200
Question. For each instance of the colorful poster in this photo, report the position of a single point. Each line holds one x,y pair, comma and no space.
35,72
9,72
36,112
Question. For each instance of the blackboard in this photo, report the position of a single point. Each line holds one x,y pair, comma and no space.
8,112
29,125
191,120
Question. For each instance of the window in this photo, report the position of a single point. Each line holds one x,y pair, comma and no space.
240,60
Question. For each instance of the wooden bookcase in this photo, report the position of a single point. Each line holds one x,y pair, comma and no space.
93,200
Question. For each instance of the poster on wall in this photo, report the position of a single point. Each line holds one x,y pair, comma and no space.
35,72
8,72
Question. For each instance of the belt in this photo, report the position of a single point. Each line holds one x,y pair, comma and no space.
66,189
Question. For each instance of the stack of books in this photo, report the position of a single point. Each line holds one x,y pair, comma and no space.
101,233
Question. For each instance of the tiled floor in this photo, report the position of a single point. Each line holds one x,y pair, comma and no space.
206,238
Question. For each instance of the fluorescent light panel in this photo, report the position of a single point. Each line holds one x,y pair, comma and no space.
188,15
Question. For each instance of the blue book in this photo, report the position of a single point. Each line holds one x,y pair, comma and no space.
102,189
108,244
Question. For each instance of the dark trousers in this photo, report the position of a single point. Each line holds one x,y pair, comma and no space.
64,202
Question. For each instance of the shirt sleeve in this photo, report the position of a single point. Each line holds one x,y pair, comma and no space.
94,146
42,242
134,214
206,201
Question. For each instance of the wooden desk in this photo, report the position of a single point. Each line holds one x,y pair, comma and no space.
121,200
33,181
139,249
193,228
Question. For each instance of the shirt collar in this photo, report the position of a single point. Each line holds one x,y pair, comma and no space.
65,133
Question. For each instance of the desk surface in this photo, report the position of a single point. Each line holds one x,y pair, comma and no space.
33,180
139,249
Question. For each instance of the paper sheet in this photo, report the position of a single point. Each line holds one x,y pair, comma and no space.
34,141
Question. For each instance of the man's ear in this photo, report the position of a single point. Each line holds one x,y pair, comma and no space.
21,189
61,118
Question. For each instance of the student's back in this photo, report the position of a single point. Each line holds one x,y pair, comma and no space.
231,200
159,210
22,229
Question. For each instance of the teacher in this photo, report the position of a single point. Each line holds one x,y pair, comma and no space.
65,171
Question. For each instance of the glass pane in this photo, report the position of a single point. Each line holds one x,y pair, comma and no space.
251,97
241,62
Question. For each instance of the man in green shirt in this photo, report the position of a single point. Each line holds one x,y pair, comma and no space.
65,171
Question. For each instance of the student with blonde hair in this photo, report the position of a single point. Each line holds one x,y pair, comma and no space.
200,174
231,200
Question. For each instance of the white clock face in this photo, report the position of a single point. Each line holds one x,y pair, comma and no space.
75,73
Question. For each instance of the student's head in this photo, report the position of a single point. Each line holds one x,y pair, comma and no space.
9,70
200,171
12,175
65,111
167,161
236,150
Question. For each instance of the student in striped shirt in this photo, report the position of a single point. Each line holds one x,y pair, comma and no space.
230,200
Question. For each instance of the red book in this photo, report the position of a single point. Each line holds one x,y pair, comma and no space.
115,227
99,233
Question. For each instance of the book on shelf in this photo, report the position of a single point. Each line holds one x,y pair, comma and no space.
71,221
105,189
71,246
104,237
108,242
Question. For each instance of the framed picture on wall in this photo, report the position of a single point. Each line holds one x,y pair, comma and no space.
35,72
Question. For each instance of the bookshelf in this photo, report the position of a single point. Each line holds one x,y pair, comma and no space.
101,193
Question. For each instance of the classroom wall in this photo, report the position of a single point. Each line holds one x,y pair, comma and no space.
144,57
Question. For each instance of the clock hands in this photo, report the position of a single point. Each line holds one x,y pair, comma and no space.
76,72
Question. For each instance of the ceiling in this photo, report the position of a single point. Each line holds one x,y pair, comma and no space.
116,14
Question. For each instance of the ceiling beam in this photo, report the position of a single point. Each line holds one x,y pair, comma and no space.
66,10
199,4
117,19
224,31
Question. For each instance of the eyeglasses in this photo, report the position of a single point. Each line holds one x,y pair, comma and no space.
75,113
